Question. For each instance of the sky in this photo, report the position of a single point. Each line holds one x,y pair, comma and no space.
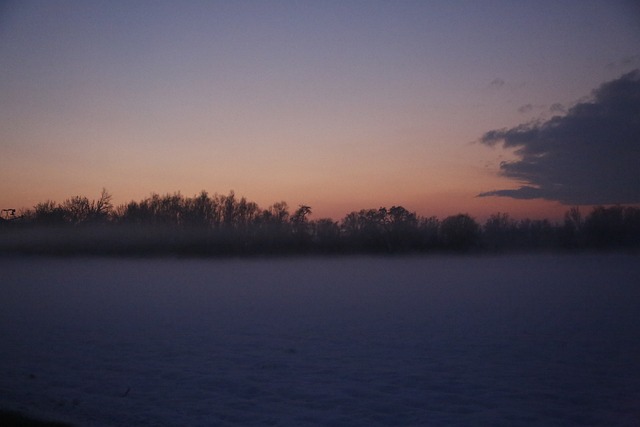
439,106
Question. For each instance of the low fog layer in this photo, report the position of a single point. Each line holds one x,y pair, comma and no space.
214,225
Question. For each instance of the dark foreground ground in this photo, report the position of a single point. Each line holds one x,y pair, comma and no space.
16,419
513,341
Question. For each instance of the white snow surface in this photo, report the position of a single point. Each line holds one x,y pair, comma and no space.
538,340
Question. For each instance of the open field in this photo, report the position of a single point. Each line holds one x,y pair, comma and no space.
441,341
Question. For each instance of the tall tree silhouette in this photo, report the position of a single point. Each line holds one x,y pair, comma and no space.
459,232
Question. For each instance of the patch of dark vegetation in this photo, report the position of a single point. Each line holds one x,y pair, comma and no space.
16,419
221,225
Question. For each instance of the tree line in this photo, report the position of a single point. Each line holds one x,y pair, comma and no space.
229,225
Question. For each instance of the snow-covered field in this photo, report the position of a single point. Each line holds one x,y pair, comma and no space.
437,341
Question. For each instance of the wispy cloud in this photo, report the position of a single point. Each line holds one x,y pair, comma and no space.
527,108
496,83
625,62
590,155
557,108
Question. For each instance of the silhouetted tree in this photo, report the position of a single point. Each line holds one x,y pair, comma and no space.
366,230
383,230
279,212
47,213
459,232
226,224
200,211
264,231
300,215
499,232
76,210
402,229
429,232
81,210
613,227
301,228
536,234
572,230
327,235
238,214
102,208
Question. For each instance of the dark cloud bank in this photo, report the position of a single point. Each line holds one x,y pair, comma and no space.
590,155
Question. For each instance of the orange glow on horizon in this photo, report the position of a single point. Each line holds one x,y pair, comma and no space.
439,205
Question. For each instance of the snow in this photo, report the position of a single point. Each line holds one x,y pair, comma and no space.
440,341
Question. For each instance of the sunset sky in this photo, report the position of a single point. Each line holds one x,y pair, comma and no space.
340,105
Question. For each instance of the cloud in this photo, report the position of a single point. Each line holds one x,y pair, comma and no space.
557,108
590,155
625,62
525,109
496,83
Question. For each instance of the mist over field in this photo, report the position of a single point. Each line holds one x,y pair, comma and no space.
509,340
217,225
